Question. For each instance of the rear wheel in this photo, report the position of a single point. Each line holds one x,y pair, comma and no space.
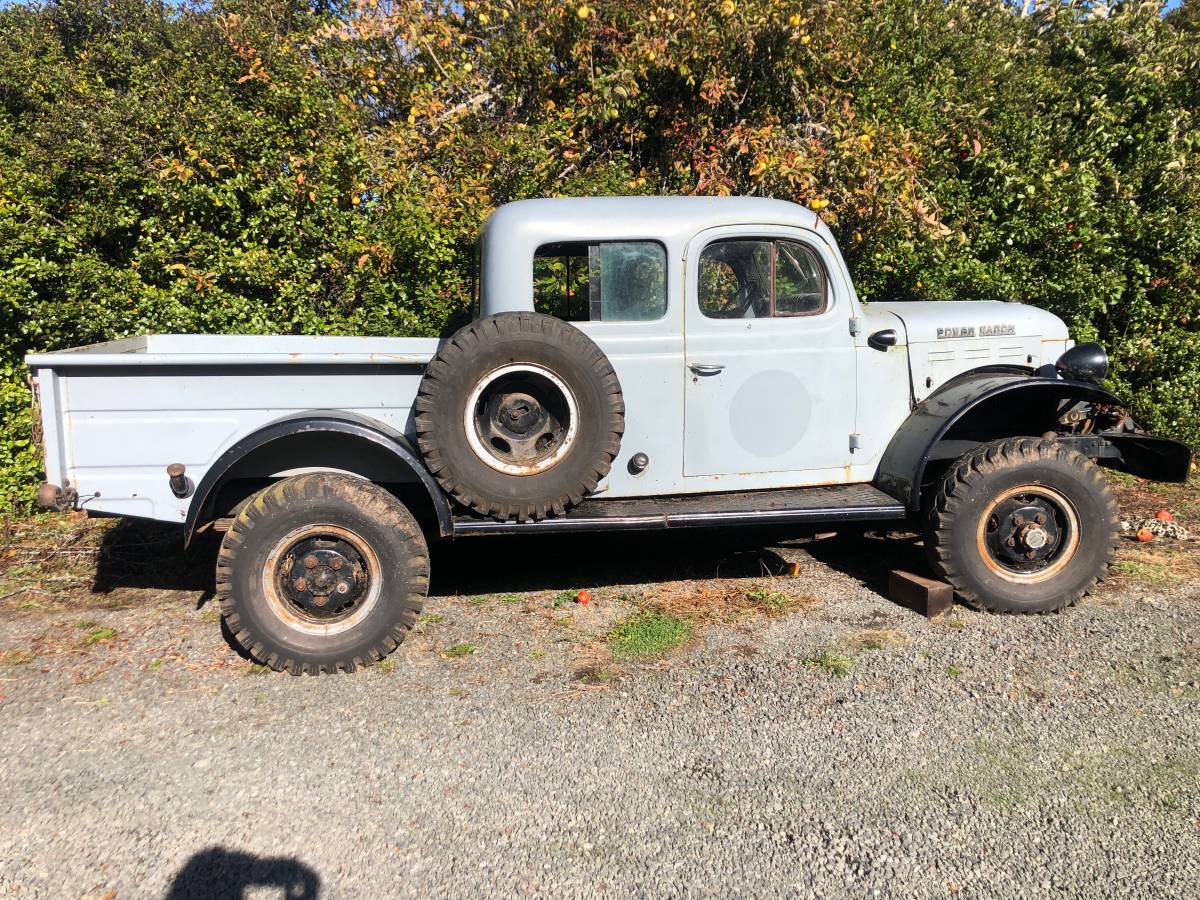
322,573
1022,525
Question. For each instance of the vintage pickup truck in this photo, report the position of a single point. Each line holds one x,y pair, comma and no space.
637,363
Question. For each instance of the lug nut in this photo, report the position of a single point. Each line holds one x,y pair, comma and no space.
336,563
310,562
1018,520
320,600
1031,554
300,584
1012,542
343,587
1040,518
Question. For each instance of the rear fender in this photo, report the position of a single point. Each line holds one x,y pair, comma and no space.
391,443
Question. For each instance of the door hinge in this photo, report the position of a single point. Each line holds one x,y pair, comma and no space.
855,442
855,327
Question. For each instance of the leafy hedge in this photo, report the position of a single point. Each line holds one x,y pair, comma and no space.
282,167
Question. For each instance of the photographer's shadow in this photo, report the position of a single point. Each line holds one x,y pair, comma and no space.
220,874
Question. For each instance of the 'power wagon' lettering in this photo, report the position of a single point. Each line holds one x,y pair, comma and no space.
969,331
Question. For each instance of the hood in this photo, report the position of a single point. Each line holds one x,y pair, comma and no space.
974,319
946,339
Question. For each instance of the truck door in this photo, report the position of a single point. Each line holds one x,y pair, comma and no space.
770,381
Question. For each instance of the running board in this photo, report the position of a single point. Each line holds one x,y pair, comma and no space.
827,503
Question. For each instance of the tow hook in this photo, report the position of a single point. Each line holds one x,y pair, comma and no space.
181,485
51,496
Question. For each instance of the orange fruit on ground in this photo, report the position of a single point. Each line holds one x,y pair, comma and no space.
1164,515
583,597
1144,535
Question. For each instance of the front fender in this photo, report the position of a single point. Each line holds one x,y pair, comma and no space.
902,467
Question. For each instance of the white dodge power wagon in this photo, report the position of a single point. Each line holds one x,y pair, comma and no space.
638,363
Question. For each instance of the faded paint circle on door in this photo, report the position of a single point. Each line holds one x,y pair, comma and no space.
770,413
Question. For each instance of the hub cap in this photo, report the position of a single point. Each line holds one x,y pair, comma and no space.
1028,533
321,579
521,419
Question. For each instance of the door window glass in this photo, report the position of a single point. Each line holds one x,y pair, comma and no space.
756,279
799,280
735,280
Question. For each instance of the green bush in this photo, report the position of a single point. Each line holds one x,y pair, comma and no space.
277,166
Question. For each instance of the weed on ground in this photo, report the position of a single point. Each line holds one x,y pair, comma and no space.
648,634
838,665
457,651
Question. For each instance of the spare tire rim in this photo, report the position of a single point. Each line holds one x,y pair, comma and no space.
322,579
1028,534
521,419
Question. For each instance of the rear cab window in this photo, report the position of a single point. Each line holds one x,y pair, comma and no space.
601,281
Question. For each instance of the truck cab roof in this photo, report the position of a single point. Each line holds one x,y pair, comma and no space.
514,232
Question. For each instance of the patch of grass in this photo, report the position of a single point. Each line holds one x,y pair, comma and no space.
258,669
562,598
595,675
1144,570
431,619
953,671
479,599
773,603
16,657
510,598
647,634
387,666
155,664
837,664
98,636
85,624
458,651
538,654
952,622
210,616
878,638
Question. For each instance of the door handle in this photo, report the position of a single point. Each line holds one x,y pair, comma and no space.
706,368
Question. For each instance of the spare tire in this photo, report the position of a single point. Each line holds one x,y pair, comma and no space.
519,415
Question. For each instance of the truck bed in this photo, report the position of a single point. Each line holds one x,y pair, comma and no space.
115,414
241,349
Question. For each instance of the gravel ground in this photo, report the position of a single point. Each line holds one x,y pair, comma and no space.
979,755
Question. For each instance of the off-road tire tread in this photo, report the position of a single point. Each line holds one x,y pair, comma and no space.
990,457
457,351
303,489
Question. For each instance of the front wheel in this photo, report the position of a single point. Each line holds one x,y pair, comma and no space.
322,573
1022,525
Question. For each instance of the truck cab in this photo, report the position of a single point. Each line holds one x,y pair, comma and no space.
746,358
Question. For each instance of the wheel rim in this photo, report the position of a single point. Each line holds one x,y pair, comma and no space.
1028,533
322,579
521,419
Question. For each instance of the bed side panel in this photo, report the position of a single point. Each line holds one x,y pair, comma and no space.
125,424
